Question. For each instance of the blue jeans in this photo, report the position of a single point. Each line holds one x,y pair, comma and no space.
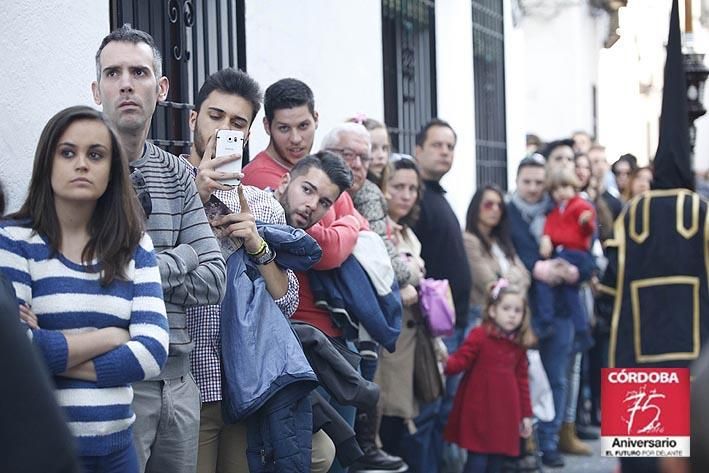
122,461
548,298
421,450
574,383
556,352
368,368
483,463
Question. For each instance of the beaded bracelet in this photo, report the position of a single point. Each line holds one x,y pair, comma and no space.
267,257
261,250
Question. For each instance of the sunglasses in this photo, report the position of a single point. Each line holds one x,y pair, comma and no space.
141,191
489,204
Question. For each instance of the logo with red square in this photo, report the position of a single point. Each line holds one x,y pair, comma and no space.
645,412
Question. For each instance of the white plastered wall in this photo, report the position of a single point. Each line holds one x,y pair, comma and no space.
455,90
333,46
47,52
561,66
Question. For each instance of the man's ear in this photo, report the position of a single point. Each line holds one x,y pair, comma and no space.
193,120
285,181
267,126
163,88
418,152
95,92
247,135
316,116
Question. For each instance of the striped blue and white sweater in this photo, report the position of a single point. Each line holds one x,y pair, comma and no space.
68,297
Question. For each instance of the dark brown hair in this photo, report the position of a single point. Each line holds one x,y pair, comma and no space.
422,135
628,194
116,225
500,233
410,219
2,200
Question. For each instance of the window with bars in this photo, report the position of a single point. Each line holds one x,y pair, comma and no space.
196,39
409,56
489,78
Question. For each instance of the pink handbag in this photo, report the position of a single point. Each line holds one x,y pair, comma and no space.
437,306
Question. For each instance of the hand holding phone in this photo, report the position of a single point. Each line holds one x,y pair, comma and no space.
215,209
230,142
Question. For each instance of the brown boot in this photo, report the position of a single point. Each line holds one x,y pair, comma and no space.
530,445
570,443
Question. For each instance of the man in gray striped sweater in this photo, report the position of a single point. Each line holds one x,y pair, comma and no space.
128,86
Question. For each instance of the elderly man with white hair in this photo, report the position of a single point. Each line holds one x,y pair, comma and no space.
352,142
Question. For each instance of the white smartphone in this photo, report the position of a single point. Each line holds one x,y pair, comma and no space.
230,142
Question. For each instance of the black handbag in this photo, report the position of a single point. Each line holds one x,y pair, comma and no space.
428,381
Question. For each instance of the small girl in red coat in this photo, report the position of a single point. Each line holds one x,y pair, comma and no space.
491,409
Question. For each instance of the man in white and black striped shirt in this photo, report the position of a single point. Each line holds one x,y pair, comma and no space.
128,86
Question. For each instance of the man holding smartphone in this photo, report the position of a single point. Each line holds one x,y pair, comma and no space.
228,101
128,86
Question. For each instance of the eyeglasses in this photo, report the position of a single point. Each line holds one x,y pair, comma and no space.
349,155
489,204
141,190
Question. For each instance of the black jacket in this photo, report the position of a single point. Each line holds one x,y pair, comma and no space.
34,437
325,417
337,374
442,248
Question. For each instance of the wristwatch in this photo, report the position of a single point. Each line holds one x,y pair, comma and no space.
264,258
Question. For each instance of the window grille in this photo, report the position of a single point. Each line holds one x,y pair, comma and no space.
196,39
409,56
489,78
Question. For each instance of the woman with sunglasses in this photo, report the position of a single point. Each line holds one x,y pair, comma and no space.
87,283
490,252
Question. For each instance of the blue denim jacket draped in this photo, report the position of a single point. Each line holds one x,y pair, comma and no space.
349,295
260,352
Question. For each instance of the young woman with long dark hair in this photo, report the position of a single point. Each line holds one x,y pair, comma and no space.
490,252
87,282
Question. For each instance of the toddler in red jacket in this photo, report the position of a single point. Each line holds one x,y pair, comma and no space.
568,230
492,409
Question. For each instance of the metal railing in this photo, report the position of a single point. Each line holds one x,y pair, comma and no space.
409,56
489,78
196,39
